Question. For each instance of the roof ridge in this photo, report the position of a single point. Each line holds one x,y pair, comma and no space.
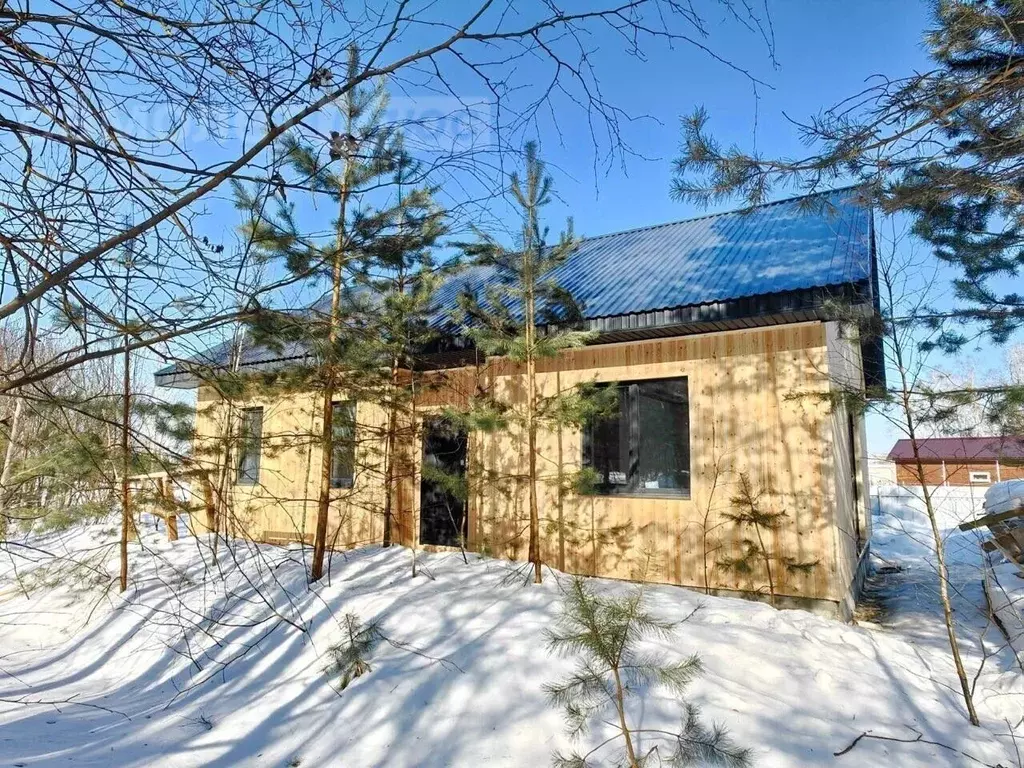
731,212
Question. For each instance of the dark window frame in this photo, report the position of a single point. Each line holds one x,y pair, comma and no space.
633,488
248,442
344,444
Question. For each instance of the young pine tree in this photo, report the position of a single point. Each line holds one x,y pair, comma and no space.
521,300
398,277
361,159
606,634
750,511
350,658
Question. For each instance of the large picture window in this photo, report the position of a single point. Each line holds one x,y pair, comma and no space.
644,447
249,446
343,456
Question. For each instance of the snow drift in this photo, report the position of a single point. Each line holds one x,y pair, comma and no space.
219,661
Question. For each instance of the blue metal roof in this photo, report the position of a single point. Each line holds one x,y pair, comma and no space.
809,242
804,243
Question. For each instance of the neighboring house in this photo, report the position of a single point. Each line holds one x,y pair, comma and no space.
959,460
717,331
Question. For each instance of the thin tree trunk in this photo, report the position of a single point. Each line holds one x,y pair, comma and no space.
531,396
620,707
389,454
705,532
940,560
767,563
5,475
392,425
531,437
415,523
534,512
212,518
126,405
225,499
224,509
561,486
327,430
705,550
327,435
940,549
705,529
324,498
16,419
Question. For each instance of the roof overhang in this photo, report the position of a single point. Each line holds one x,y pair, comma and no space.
190,374
813,304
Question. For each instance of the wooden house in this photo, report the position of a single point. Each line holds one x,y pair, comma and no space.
719,332
960,461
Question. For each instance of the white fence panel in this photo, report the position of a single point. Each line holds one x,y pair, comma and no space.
953,504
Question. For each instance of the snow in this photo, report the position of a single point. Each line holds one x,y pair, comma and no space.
1005,587
1004,496
218,661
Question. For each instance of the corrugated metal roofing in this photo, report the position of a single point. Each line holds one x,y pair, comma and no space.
961,449
790,245
248,354
251,354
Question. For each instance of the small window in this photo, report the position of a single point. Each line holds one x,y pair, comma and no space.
981,478
644,447
343,457
250,442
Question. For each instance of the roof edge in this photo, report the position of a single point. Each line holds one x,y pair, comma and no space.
730,212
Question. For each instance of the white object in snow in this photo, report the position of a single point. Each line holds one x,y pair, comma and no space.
1004,497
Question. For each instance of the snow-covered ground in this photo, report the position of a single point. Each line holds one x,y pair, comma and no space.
219,662
1005,588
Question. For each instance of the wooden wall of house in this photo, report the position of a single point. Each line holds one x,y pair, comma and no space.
282,506
849,440
760,406
957,473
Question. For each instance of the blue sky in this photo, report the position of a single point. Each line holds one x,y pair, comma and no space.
825,51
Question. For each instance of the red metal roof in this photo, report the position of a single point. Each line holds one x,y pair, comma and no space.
961,449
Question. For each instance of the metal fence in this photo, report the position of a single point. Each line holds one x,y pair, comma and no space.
953,504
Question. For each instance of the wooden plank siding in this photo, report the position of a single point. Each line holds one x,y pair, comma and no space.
281,507
759,405
849,440
957,472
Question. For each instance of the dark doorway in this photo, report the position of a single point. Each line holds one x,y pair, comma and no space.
442,512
